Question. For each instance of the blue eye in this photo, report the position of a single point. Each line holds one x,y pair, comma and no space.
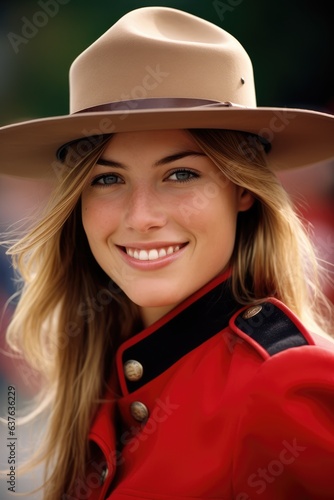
182,175
107,180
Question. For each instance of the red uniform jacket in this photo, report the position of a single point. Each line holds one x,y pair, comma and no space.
217,402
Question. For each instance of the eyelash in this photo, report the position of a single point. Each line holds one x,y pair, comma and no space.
103,177
194,175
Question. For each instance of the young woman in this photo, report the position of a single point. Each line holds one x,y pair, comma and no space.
172,299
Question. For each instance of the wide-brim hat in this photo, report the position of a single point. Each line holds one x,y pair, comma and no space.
159,68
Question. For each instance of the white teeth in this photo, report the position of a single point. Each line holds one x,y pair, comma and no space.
143,255
152,254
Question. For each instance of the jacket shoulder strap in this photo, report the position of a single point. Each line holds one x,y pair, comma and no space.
272,325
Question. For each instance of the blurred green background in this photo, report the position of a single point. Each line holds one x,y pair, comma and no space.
290,44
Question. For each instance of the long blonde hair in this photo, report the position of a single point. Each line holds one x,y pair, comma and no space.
71,317
273,253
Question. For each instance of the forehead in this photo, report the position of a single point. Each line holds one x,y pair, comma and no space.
152,142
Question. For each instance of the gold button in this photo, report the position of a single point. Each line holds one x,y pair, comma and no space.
139,411
103,475
133,370
252,311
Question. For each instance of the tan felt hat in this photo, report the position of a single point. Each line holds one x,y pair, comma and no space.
159,68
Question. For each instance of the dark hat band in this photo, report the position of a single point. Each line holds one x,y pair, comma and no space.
140,104
157,103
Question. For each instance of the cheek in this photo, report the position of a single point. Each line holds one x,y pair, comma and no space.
88,215
98,221
194,208
209,208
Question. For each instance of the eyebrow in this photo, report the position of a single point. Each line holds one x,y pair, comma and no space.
163,161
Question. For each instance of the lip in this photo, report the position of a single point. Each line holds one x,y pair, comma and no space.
153,244
152,264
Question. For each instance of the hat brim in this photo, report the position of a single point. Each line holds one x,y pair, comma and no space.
298,137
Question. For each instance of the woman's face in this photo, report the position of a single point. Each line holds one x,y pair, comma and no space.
160,217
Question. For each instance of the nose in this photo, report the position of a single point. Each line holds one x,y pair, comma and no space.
145,210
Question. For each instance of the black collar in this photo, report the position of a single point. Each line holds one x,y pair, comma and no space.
206,314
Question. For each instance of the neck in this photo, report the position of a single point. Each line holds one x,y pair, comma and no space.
150,315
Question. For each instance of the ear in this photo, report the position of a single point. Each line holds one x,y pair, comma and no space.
245,199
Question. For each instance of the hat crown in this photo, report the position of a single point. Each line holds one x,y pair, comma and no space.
159,52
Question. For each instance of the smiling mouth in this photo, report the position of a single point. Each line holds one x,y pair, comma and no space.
152,253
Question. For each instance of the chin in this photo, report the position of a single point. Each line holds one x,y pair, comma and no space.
153,301
154,298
